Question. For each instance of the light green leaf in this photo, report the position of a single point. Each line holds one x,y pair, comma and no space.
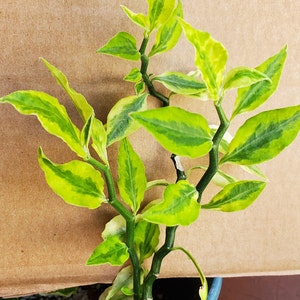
132,180
134,75
116,226
169,33
222,179
252,97
76,182
254,170
243,77
66,293
52,115
99,138
140,87
236,196
158,182
119,124
264,136
180,83
146,239
112,251
82,106
122,45
137,18
179,206
223,148
159,12
117,296
210,58
123,279
127,291
179,131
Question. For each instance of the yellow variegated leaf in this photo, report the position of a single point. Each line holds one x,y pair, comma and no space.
236,196
179,131
179,206
82,106
51,114
76,182
264,136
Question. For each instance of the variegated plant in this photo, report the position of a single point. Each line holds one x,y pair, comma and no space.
133,235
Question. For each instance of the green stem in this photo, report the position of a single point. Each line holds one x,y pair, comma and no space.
214,152
157,261
145,76
167,246
130,223
204,287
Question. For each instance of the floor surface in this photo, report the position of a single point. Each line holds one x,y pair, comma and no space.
261,288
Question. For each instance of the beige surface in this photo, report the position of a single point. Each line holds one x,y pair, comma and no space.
43,242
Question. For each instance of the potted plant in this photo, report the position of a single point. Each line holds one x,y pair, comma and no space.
133,235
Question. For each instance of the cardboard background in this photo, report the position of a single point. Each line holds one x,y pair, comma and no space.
44,243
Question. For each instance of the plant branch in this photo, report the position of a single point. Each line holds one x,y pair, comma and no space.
214,152
144,67
130,223
204,287
168,244
158,257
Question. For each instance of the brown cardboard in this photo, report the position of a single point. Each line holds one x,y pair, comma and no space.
44,242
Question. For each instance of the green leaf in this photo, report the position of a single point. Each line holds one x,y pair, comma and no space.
210,58
140,87
132,180
179,206
223,148
146,239
252,97
119,123
68,292
159,12
169,33
180,83
179,131
123,279
99,138
86,134
222,179
158,182
254,170
82,106
139,19
264,136
236,196
134,75
52,115
76,182
122,45
112,251
243,77
116,226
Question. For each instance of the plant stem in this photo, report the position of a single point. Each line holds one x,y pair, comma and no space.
214,152
157,261
145,76
167,246
130,224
